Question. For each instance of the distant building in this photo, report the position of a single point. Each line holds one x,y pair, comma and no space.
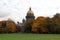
21,24
26,24
30,16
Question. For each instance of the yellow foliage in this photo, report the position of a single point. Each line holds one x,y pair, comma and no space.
10,26
39,23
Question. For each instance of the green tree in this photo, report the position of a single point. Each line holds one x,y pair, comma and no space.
56,20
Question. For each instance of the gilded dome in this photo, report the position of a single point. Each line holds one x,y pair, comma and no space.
30,11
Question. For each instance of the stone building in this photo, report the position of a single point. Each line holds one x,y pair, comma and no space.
27,24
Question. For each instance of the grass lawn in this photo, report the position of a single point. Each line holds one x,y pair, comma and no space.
29,36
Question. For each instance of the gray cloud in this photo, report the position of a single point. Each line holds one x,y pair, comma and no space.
4,14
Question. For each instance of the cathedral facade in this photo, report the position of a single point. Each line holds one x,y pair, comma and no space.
27,24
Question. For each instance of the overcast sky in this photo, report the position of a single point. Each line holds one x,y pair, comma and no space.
17,9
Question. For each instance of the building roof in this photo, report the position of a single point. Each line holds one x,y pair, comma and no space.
30,11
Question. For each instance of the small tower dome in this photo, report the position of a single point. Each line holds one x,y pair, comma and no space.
23,20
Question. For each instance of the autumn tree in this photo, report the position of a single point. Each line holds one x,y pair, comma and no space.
39,25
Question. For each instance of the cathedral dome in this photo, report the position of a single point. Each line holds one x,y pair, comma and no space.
30,14
30,11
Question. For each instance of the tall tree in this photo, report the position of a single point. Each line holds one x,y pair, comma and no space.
39,25
56,20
